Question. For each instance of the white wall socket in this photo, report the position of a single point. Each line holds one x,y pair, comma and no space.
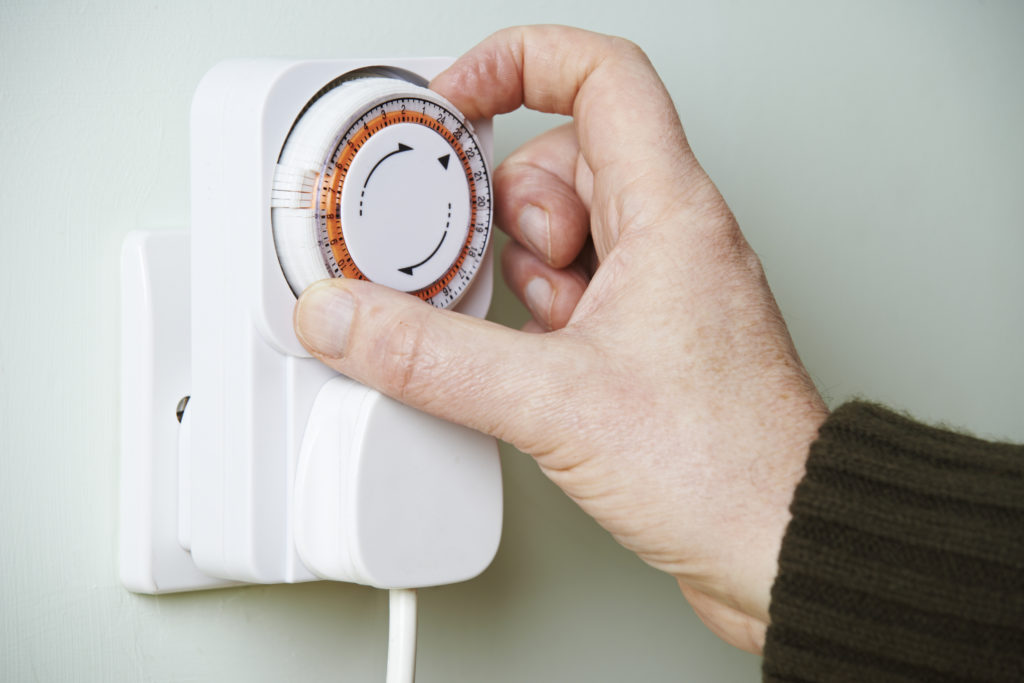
208,314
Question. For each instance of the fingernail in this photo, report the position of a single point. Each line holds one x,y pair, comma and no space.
538,295
535,227
323,318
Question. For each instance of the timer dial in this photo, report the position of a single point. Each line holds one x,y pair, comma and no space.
382,180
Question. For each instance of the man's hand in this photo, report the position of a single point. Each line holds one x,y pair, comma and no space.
664,395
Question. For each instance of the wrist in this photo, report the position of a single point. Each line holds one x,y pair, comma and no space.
751,561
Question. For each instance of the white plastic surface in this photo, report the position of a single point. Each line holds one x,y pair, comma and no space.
154,377
393,498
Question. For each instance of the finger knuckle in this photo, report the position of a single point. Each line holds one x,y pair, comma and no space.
627,49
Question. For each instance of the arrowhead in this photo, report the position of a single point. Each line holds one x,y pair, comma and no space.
407,270
403,148
444,160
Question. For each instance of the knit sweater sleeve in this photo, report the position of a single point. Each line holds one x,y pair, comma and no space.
904,558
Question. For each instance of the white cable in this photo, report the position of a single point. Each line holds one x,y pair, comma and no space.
402,636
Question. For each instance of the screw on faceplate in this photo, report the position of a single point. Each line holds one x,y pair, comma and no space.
180,410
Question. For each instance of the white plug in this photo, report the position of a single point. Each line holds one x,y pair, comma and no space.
390,497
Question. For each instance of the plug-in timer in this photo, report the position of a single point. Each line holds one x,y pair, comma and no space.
282,470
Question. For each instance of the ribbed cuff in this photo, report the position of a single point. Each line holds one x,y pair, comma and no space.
904,560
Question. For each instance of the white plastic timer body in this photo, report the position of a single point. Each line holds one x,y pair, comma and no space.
286,191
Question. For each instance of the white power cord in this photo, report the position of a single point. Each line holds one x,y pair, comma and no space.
402,636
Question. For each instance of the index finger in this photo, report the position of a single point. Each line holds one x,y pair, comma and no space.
622,111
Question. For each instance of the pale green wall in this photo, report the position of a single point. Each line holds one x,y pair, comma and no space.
872,151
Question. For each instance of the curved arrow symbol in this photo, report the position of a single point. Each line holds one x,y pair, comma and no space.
401,148
408,269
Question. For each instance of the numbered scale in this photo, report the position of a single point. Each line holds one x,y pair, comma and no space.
381,179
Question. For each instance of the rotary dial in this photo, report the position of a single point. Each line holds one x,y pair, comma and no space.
382,180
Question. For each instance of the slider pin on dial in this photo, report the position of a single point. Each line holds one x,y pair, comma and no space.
383,180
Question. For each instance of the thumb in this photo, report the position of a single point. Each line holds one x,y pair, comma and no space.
456,367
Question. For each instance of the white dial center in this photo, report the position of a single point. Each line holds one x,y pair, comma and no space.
405,207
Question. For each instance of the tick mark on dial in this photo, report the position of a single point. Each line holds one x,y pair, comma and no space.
444,160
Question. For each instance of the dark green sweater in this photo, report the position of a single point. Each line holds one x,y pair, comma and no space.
904,560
